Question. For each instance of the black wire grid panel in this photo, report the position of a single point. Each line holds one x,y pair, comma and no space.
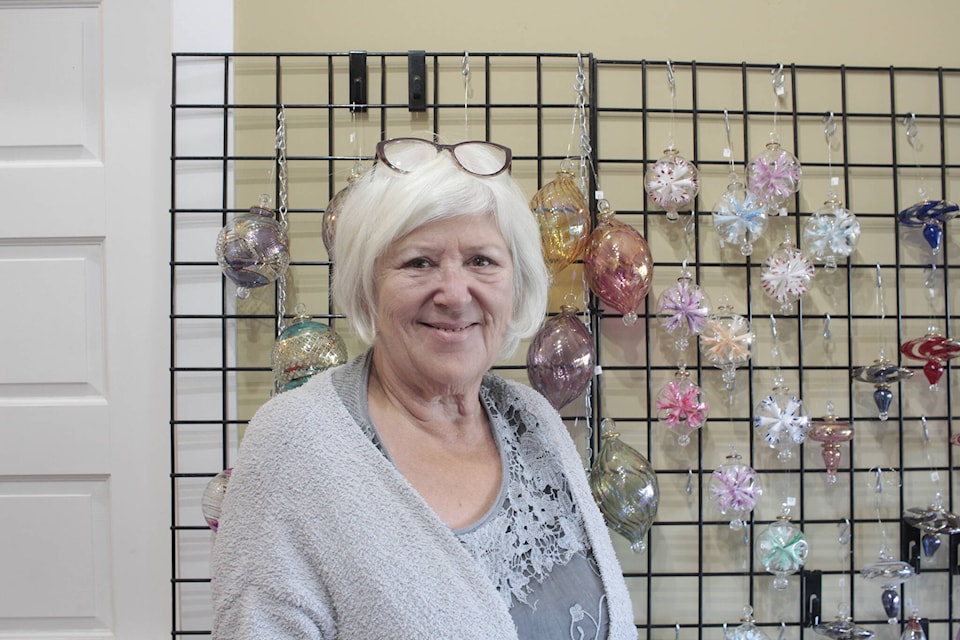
697,574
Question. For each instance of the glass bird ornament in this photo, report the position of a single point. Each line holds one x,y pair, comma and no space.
831,233
564,219
786,275
930,216
774,175
881,374
727,342
303,349
934,350
212,499
328,224
618,265
680,406
913,629
746,630
735,489
932,521
888,574
830,432
561,358
781,421
739,217
252,249
683,309
782,549
672,183
625,487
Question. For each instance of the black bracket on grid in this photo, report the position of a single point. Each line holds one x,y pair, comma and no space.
953,542
910,545
358,82
811,585
417,80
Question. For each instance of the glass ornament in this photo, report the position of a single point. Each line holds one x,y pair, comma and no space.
680,406
303,349
786,275
781,421
618,265
782,549
212,499
672,182
625,487
830,432
746,630
683,310
727,341
252,249
913,629
830,233
328,225
773,175
564,219
881,374
888,573
935,350
931,217
842,628
561,358
735,489
932,521
739,217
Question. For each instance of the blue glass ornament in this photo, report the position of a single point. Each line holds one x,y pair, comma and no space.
882,373
739,217
931,215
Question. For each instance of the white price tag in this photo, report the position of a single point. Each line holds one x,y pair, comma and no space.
727,153
834,181
780,90
935,476
597,370
598,194
791,501
782,211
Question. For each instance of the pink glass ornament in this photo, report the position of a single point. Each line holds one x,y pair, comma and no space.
564,219
786,275
913,629
830,432
735,488
618,265
727,341
683,309
935,350
561,358
681,407
774,175
672,182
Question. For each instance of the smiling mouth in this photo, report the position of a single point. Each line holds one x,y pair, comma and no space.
448,329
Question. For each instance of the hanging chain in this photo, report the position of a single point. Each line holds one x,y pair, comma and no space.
281,150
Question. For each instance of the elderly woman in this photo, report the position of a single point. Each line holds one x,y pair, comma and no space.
411,493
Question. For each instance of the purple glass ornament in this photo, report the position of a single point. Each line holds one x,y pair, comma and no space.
683,309
561,358
252,249
774,175
735,488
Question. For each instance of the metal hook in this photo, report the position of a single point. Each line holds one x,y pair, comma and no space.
926,431
465,64
913,130
671,77
879,277
726,124
677,636
845,535
827,333
783,631
778,79
930,278
773,327
830,129
689,485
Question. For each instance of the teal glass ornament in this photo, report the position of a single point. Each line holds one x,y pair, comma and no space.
303,349
782,549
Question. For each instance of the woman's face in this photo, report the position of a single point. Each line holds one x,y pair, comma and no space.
444,300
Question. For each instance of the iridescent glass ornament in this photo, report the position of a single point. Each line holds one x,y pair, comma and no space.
625,487
842,628
934,350
830,233
672,182
252,249
932,521
739,217
680,406
735,488
746,630
727,341
786,275
931,217
781,420
830,432
782,549
328,225
913,629
564,218
303,349
683,309
561,358
888,574
774,175
618,265
212,499
881,374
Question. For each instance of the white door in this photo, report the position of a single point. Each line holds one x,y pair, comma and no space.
84,247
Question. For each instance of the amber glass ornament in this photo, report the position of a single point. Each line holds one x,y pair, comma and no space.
564,219
329,221
625,487
561,358
303,349
618,265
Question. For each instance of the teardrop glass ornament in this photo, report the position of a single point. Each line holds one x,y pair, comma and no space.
561,358
564,219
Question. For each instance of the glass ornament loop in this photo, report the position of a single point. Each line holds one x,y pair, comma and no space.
774,175
786,275
561,358
930,216
735,489
680,406
617,265
303,349
625,487
739,217
212,499
782,549
781,421
830,432
831,233
683,310
564,219
252,249
672,183
727,342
